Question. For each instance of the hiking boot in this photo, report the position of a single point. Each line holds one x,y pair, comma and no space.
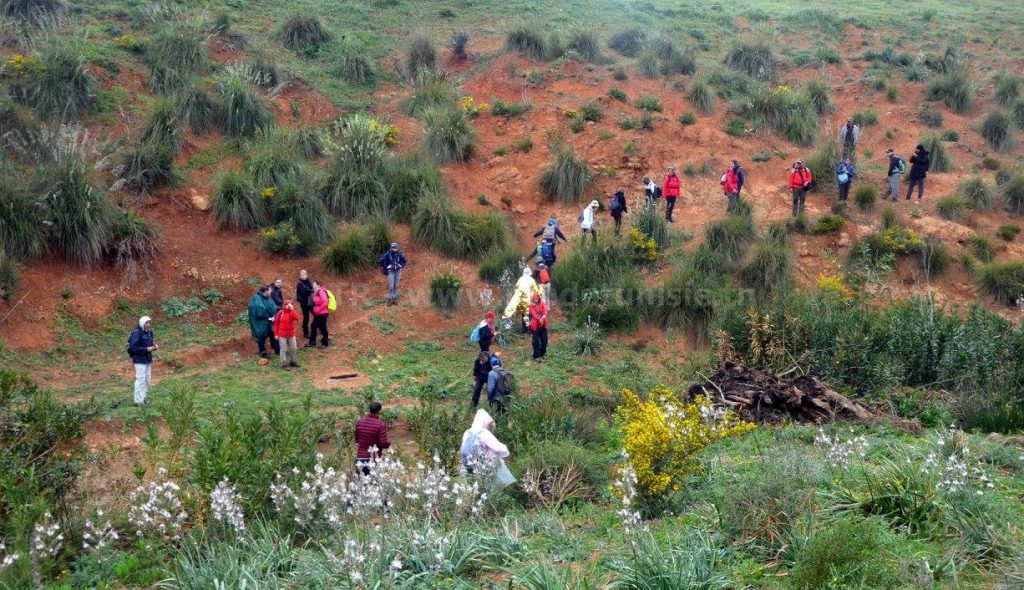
264,355
296,365
309,345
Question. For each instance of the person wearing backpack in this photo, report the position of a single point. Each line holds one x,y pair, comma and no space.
731,187
543,277
896,168
616,207
261,319
140,348
587,221
539,327
845,172
284,330
499,385
920,163
799,181
550,232
321,309
481,369
304,295
391,264
671,190
652,191
741,177
483,454
276,294
484,332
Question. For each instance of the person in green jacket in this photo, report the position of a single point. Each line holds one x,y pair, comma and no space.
261,320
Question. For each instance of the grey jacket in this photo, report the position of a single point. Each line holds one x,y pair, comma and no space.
843,131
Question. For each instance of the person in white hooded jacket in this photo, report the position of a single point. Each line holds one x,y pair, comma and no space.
482,450
587,220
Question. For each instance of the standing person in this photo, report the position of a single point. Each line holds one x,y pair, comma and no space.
896,169
261,318
670,188
486,331
652,191
849,135
539,327
483,451
275,292
617,206
391,264
543,278
845,172
304,295
284,330
549,234
799,181
920,163
731,187
587,221
521,296
498,381
140,348
320,313
481,369
371,439
741,177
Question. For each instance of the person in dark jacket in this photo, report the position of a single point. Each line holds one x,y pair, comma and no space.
140,348
617,208
920,163
893,174
481,369
261,321
304,296
741,177
391,264
494,397
275,293
371,438
487,331
845,173
551,232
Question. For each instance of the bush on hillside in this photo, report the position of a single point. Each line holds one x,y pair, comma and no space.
420,56
977,192
850,551
687,299
753,58
952,208
431,90
627,42
648,62
567,177
591,111
1008,231
701,95
929,116
981,248
146,167
20,215
496,263
941,160
273,160
1004,281
1008,87
1013,193
236,202
355,183
356,67
768,269
298,205
197,109
822,164
528,41
817,92
263,71
10,276
162,124
406,177
997,130
935,258
458,44
445,288
1018,113
783,110
134,243
954,89
438,225
303,34
32,12
652,224
648,103
349,252
583,43
449,135
307,142
614,93
245,113
61,86
727,239
827,224
176,55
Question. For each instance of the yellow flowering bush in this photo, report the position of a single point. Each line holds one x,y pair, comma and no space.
783,89
899,240
19,64
644,249
571,113
471,107
663,434
129,42
387,132
834,286
269,192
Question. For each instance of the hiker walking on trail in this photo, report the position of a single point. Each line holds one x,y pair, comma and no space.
549,235
920,163
731,187
499,384
741,176
482,453
140,348
799,181
896,169
671,189
521,296
849,135
485,331
321,309
543,278
539,327
845,172
304,295
652,191
284,330
481,369
617,207
587,221
275,292
391,264
261,318
371,438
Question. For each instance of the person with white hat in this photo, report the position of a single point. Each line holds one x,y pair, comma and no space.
140,348
587,223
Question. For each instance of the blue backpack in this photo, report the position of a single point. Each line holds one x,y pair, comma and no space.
547,252
474,336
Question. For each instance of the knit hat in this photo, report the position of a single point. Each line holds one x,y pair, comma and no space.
143,320
594,204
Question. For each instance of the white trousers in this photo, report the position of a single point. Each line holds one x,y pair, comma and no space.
143,374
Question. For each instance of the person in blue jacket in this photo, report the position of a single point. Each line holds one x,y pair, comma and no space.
391,264
140,349
845,172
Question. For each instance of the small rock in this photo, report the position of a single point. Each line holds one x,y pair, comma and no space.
844,241
200,202
495,161
519,209
193,273
806,253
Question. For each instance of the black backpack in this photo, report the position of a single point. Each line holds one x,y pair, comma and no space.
505,382
128,345
657,192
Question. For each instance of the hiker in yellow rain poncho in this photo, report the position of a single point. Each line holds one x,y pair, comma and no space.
520,300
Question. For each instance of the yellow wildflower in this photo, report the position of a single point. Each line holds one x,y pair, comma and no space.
269,192
834,286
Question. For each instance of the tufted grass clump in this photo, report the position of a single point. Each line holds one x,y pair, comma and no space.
567,177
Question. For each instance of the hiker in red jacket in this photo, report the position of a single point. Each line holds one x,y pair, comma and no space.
670,190
284,330
539,327
371,438
731,187
799,181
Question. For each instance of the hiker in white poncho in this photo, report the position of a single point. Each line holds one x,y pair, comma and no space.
482,452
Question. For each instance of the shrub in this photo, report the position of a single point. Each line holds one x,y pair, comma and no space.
79,215
822,164
245,113
1013,193
627,42
617,94
263,71
828,224
445,288
458,43
777,109
405,178
420,56
298,205
1008,231
438,225
1003,176
197,109
1018,113
680,62
952,208
591,111
236,204
282,240
701,96
753,58
801,129
306,142
567,177
648,103
935,257
32,12
889,218
1004,281
61,86
303,34
175,56
865,118
355,185
735,127
431,90
161,124
356,66
849,551
977,192
349,252
497,262
508,109
449,135
817,92
950,135
20,212
981,248
728,238
929,116
273,161
941,160
768,269
584,44
10,276
652,224
587,340
687,118
1007,87
146,167
895,240
527,41
134,243
648,63
997,131
954,89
